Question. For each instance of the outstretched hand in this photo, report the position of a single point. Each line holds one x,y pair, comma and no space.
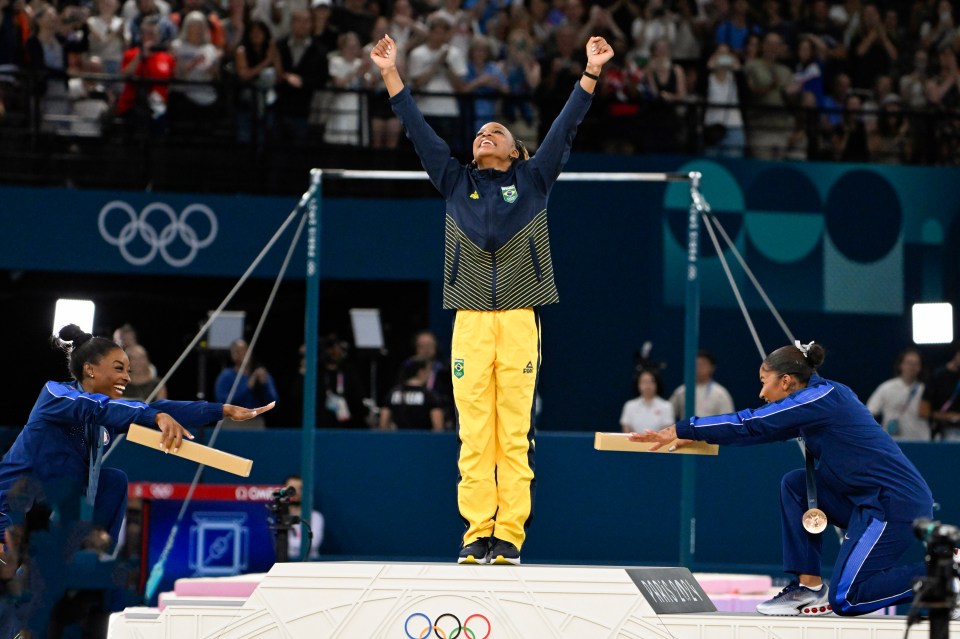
661,438
241,414
599,52
384,53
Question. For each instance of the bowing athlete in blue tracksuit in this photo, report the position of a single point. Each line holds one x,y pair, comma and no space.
864,484
56,457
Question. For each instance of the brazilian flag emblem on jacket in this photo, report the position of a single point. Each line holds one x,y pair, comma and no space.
509,193
458,368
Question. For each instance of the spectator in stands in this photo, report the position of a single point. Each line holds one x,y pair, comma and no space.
166,30
711,397
145,105
943,94
215,31
258,66
316,523
484,83
410,405
245,383
439,379
896,402
234,27
340,400
768,125
774,22
833,103
304,70
734,31
106,36
655,23
322,29
722,120
804,141
562,65
808,74
667,85
275,15
819,24
600,22
352,15
872,52
193,107
144,383
687,46
649,410
850,138
348,67
523,77
913,85
939,30
436,67
13,29
405,29
940,402
46,57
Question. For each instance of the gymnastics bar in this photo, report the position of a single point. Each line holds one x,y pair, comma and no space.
357,174
199,453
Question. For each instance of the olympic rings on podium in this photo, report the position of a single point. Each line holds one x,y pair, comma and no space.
437,629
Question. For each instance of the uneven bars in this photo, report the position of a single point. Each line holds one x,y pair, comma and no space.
356,174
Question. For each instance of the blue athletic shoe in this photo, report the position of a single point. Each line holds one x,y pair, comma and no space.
798,600
475,552
503,553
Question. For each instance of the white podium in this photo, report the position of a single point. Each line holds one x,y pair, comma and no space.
333,600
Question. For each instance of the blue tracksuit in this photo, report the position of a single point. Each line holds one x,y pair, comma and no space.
865,485
54,447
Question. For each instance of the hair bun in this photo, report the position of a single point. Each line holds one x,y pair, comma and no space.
75,334
815,356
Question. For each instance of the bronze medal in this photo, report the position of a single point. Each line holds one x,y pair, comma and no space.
814,521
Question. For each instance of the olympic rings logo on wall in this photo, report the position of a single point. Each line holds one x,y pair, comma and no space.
446,629
158,240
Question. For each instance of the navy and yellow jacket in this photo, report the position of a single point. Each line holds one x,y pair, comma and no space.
54,443
857,458
497,248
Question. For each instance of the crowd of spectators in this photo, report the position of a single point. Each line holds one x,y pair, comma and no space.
801,79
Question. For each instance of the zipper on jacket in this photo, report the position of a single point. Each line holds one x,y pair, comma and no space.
536,262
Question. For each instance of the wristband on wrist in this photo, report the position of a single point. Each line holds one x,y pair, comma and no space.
591,76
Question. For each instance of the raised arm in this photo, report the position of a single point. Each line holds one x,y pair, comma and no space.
553,151
434,153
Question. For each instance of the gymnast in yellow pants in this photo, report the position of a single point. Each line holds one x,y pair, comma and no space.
497,271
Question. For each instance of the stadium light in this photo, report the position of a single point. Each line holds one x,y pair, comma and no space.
933,323
79,312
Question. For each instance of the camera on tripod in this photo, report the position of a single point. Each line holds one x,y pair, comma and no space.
281,521
937,591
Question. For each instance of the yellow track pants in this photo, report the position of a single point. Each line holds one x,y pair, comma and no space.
495,359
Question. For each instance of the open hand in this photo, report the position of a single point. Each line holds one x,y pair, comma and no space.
241,414
661,438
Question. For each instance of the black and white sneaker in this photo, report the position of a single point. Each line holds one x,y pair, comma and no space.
798,600
503,553
475,552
